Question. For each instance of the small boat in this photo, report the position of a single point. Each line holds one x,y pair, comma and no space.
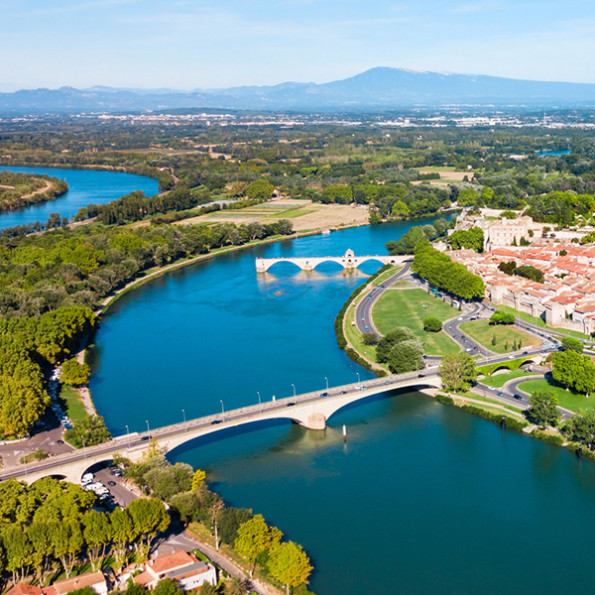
326,232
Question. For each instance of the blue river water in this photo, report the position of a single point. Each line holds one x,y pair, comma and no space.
421,498
85,187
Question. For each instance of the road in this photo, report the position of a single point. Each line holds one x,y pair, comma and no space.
363,311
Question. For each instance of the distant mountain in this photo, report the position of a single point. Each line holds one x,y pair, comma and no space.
378,88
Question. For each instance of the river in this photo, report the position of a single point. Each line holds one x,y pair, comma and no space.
85,187
421,499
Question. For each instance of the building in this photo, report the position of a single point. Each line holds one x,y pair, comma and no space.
95,580
180,566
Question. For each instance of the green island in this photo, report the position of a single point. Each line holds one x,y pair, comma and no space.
19,190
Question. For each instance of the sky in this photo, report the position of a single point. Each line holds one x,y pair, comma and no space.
208,44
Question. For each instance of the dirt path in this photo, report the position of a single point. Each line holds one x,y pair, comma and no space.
47,186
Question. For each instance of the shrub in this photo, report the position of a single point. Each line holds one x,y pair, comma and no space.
432,324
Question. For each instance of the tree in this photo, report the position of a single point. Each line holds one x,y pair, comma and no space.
494,339
198,480
123,534
260,190
97,532
235,585
149,517
168,586
472,239
397,335
571,344
370,338
457,371
501,317
229,522
92,430
19,551
432,324
215,512
290,565
574,371
255,538
544,409
406,356
67,540
75,373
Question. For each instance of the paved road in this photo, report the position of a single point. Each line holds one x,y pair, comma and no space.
363,311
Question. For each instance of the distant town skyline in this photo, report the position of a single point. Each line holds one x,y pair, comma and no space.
193,44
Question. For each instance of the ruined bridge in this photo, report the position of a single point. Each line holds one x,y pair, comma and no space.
348,261
310,410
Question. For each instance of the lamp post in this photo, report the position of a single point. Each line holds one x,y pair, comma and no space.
358,381
326,380
128,434
184,415
148,429
259,401
222,410
293,386
84,451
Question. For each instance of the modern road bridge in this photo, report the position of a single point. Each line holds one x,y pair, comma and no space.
348,261
311,410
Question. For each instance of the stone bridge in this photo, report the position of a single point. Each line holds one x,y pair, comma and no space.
311,410
348,261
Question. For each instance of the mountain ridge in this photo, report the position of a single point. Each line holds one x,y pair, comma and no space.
377,88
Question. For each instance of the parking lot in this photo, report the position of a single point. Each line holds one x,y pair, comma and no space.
120,494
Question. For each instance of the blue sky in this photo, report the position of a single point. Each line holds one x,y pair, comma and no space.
192,44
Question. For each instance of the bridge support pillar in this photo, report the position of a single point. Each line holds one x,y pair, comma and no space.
315,421
261,266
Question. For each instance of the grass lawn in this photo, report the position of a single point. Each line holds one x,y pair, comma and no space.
409,307
566,399
499,380
482,331
296,212
72,403
539,322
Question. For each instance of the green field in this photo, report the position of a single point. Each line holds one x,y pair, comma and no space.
499,380
482,331
355,337
73,405
566,399
409,307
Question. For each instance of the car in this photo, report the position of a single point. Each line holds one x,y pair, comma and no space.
500,393
517,397
525,352
87,477
291,404
59,441
111,483
511,357
420,375
324,394
145,437
343,392
367,329
216,421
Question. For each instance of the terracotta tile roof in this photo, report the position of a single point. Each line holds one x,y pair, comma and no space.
22,589
78,582
171,562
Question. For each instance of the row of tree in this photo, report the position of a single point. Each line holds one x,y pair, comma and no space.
19,190
441,272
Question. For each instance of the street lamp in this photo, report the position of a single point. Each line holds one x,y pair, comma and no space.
326,379
358,381
84,451
259,401
148,429
293,386
184,415
128,434
222,410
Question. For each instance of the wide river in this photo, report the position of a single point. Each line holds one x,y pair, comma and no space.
84,187
421,499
